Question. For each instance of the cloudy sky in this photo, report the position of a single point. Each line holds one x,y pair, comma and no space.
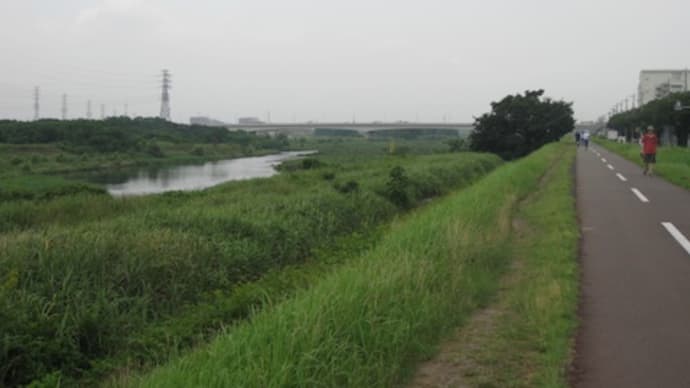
327,60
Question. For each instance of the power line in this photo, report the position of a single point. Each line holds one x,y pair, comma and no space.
165,96
64,107
36,103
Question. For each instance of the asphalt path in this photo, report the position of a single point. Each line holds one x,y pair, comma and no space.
635,292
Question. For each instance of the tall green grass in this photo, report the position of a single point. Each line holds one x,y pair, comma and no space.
85,278
528,343
366,324
42,187
672,163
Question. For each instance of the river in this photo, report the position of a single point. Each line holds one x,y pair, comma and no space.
193,177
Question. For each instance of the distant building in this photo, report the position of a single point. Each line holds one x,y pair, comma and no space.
206,121
660,83
249,120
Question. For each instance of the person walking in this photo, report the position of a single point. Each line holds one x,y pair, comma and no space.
649,143
585,138
577,138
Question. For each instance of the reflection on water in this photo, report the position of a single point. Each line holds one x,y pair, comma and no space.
197,177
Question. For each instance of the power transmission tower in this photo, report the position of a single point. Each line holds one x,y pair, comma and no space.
37,106
88,109
64,107
102,111
165,96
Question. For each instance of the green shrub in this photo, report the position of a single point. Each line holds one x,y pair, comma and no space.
397,188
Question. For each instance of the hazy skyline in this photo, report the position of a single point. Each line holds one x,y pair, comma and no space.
329,61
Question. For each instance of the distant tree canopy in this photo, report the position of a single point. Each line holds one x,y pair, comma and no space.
520,124
125,134
658,113
413,133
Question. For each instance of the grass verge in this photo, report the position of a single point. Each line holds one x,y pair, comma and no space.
672,163
524,338
369,322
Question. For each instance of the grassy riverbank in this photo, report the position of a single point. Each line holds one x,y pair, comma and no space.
90,284
672,163
368,322
36,156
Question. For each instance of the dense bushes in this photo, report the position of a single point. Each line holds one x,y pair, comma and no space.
82,278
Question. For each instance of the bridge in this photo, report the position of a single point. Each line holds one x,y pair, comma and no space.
303,129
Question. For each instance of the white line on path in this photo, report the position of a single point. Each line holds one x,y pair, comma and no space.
639,195
621,177
603,160
677,235
609,166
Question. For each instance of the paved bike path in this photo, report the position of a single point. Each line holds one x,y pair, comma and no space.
635,293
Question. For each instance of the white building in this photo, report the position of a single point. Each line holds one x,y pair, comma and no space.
659,83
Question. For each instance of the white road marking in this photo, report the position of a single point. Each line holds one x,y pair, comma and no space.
639,195
621,177
603,160
609,166
677,235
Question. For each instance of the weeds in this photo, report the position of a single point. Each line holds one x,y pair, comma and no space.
92,283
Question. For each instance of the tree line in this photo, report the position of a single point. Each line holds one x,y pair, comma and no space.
658,113
122,134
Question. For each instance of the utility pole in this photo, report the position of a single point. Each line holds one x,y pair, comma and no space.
102,111
64,107
88,109
36,103
165,96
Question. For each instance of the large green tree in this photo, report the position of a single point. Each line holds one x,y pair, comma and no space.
520,124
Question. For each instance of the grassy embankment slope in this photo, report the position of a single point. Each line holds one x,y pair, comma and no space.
672,163
369,322
524,337
90,284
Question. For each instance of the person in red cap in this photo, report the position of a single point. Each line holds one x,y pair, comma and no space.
649,143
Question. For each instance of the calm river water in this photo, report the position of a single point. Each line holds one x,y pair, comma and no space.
194,177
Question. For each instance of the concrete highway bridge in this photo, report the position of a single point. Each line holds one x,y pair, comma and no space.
306,129
302,129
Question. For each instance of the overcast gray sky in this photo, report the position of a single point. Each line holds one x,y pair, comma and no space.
329,60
